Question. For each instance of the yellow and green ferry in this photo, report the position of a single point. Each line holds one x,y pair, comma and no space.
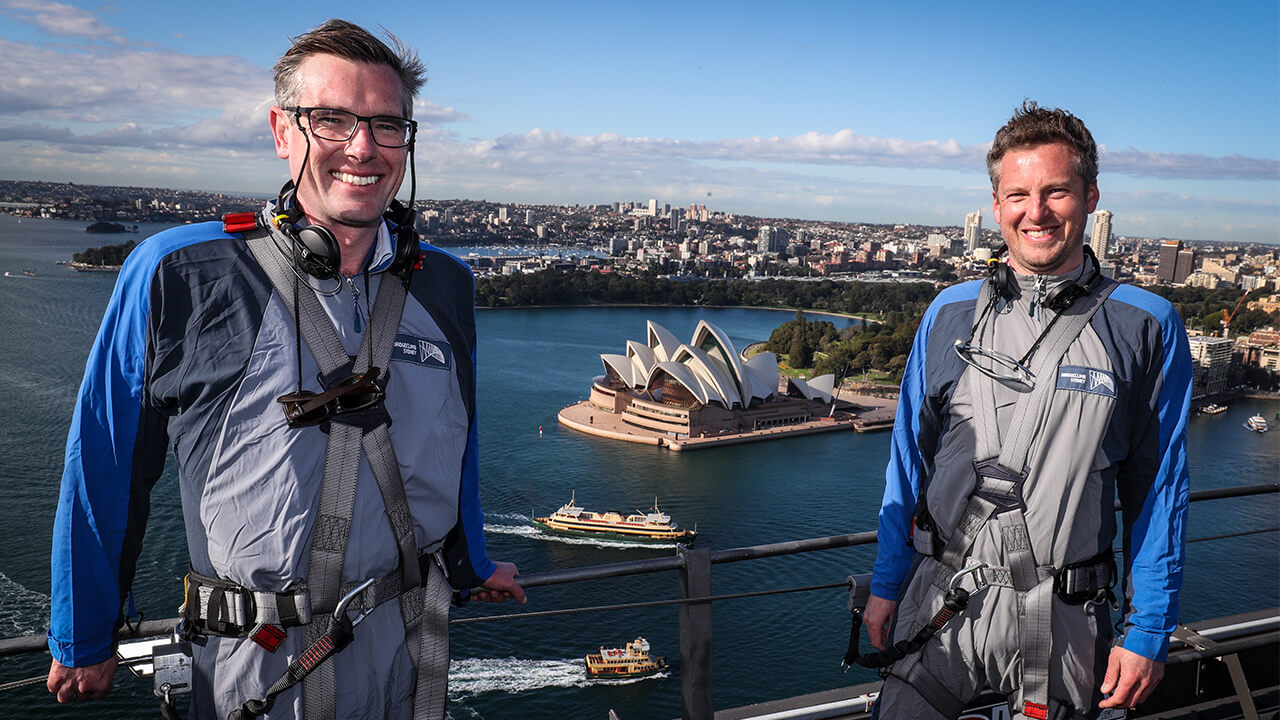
639,527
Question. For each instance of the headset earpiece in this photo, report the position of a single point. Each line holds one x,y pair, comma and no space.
1067,292
407,248
315,250
1002,275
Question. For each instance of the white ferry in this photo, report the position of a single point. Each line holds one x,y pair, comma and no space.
651,526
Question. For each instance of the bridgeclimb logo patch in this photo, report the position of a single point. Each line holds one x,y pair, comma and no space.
423,351
1089,380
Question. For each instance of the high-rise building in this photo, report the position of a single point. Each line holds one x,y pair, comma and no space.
653,207
1186,262
528,217
972,231
502,214
772,239
1169,250
1101,238
1211,357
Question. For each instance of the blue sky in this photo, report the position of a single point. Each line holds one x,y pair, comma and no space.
851,111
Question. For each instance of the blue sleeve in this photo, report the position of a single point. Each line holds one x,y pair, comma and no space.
464,548
469,510
114,447
1158,530
902,476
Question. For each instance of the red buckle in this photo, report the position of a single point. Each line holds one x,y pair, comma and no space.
239,222
268,636
1035,710
418,265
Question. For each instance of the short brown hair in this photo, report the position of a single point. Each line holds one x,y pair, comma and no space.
1032,126
352,42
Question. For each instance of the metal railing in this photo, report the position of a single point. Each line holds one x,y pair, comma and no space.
693,567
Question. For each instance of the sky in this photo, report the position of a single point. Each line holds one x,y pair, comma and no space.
848,111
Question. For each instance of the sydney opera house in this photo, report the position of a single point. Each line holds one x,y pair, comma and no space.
704,387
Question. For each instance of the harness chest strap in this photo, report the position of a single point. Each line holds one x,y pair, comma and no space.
345,445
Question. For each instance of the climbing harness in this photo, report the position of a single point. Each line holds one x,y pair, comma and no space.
1000,467
351,411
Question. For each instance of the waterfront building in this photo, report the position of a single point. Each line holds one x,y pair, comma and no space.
703,388
1101,238
1212,360
972,231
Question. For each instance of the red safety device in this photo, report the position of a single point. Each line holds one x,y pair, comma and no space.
269,637
239,222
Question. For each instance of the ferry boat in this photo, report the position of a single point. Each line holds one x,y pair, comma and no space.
642,527
1257,423
632,661
1213,409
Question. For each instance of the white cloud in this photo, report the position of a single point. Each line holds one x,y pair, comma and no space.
60,19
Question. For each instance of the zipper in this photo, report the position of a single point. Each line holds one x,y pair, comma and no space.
357,321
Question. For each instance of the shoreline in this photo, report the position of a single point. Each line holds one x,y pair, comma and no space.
868,414
847,316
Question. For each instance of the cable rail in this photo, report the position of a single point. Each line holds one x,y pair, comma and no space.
695,598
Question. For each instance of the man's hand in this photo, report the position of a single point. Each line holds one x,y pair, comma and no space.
876,617
501,585
1130,678
92,682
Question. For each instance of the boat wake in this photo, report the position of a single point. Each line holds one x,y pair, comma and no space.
22,611
474,676
523,528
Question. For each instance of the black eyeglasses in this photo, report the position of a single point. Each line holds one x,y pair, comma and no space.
336,125
305,408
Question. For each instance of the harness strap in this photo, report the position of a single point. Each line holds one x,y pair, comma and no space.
425,612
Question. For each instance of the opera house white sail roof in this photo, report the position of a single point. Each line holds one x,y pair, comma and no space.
708,367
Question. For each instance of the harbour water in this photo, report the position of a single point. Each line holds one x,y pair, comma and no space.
532,363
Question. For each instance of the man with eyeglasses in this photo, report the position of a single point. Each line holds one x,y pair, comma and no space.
313,368
1031,400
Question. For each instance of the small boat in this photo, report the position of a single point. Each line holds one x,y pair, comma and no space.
1257,423
1212,409
652,526
632,661
28,273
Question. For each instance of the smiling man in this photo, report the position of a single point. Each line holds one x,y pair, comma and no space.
1031,401
273,351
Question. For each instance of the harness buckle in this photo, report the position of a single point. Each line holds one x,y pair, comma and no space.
980,582
341,609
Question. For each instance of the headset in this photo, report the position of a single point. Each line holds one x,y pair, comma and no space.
316,251
1062,296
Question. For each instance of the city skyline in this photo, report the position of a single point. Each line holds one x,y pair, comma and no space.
832,111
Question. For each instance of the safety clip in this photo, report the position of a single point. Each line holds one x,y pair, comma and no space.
341,609
980,583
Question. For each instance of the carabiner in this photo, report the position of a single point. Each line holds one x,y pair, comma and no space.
980,583
346,600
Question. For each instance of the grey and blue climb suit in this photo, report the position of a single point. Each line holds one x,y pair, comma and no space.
193,351
1114,424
